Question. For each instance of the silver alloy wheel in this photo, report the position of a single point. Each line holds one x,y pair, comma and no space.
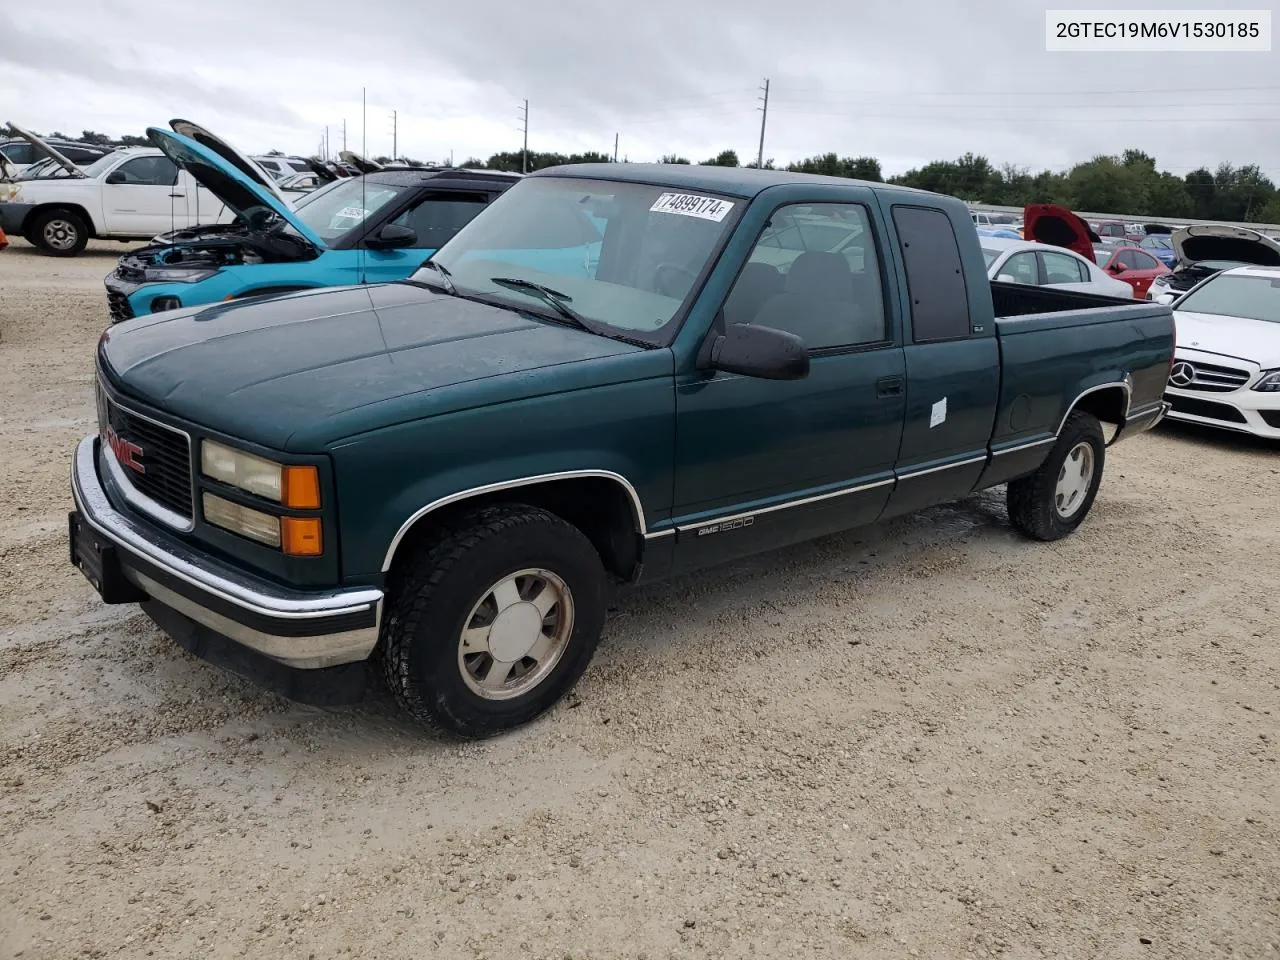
60,234
516,634
1073,480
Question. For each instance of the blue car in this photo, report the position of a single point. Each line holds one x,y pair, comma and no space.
1160,246
375,228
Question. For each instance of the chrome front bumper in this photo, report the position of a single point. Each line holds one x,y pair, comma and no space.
300,629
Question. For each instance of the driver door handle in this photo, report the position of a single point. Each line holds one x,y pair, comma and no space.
889,387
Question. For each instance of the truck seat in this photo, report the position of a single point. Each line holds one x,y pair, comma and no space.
825,304
756,284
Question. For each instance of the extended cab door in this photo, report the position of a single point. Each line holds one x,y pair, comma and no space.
141,197
762,463
952,359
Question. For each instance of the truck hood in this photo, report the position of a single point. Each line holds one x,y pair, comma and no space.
227,181
300,371
1056,225
46,150
1240,337
1216,242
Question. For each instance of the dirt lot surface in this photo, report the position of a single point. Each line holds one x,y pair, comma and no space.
928,739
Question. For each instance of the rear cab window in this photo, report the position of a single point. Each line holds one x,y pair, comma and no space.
936,285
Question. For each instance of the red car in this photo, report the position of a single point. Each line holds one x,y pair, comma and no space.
1135,267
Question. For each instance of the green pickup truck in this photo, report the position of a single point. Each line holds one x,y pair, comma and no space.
614,373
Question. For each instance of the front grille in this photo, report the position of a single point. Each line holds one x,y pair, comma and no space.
119,306
1205,408
163,453
1211,378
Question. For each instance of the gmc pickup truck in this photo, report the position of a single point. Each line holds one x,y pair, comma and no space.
614,373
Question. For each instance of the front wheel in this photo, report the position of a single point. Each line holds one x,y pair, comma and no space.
1050,503
60,233
494,621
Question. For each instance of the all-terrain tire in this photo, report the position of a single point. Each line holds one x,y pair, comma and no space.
59,233
1037,506
432,600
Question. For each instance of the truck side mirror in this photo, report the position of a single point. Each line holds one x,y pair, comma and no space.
764,352
115,176
1006,278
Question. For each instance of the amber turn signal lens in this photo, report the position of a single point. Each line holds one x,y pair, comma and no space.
300,536
301,488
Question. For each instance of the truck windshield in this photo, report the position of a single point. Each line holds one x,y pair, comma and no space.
1236,295
625,256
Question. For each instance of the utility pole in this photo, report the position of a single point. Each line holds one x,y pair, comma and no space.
615,148
364,149
524,157
344,133
394,145
764,115
326,141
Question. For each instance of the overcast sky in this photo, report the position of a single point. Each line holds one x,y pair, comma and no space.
907,81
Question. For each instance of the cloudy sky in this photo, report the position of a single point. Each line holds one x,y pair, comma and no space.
906,81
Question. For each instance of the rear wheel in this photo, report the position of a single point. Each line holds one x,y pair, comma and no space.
493,622
59,233
1050,503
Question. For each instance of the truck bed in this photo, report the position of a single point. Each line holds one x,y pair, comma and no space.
1054,344
1019,299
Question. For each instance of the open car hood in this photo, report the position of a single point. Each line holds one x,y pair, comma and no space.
241,192
320,170
46,150
248,167
1058,226
359,162
1215,242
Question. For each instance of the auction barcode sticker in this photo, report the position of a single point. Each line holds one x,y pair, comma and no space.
1158,31
692,205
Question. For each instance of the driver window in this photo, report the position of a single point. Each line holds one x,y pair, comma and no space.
813,272
149,171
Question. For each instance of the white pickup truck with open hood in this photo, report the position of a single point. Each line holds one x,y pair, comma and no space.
129,194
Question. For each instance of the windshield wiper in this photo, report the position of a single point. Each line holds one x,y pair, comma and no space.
558,300
444,276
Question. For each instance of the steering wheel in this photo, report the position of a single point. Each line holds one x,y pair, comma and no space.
667,269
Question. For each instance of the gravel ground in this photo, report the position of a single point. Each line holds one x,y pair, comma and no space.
927,739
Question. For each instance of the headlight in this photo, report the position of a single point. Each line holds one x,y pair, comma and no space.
178,274
293,486
1270,382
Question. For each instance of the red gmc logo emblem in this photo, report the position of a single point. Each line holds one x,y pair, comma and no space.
128,453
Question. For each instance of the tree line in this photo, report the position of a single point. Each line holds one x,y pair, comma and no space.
1128,183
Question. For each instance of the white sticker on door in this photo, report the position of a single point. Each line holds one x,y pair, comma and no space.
938,414
692,205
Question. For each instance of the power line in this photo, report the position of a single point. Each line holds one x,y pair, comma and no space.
1073,93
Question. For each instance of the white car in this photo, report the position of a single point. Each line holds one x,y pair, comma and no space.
129,194
1226,365
1045,265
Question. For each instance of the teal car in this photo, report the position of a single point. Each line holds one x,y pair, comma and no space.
371,229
